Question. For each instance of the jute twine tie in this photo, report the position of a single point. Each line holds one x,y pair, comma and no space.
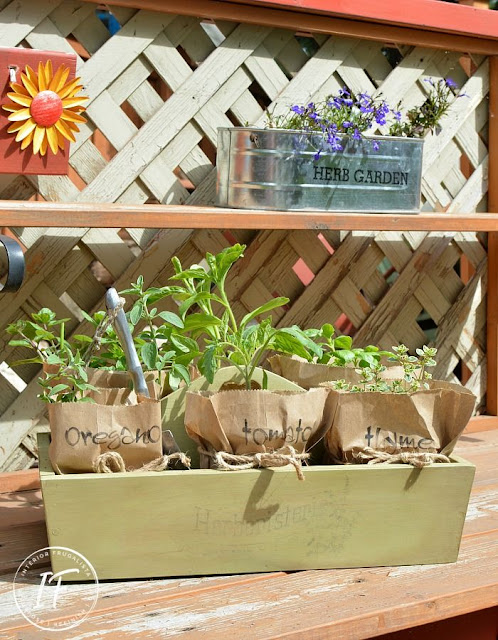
416,459
112,462
224,461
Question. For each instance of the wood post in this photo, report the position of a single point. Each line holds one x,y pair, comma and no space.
492,299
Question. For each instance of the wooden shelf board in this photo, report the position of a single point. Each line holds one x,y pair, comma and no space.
91,215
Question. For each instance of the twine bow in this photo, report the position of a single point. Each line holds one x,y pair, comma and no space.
224,461
112,462
415,458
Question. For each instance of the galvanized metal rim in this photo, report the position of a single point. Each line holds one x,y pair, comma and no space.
318,133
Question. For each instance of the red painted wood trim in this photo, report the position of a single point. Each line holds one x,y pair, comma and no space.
328,24
432,15
19,481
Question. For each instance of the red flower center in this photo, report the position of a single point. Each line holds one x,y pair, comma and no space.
46,108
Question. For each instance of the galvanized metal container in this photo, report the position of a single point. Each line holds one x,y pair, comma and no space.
278,169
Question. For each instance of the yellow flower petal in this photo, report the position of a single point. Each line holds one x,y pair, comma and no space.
42,83
61,140
25,101
74,102
38,136
71,87
71,116
48,72
32,88
26,129
73,127
10,107
27,141
64,129
59,78
21,114
15,127
43,146
52,139
19,88
33,78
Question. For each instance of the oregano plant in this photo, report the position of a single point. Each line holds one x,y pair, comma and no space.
65,378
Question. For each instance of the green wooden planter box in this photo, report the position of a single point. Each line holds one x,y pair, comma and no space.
204,522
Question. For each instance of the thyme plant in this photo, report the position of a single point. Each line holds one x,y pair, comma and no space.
416,376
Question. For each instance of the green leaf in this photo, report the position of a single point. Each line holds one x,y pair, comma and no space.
208,364
196,298
58,388
148,353
186,358
19,343
172,318
264,308
154,294
343,342
345,355
191,274
369,359
196,321
44,316
311,346
42,334
182,372
265,379
328,330
288,343
82,338
136,313
183,343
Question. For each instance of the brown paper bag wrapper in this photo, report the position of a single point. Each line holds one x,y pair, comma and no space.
426,421
80,432
310,374
104,379
256,421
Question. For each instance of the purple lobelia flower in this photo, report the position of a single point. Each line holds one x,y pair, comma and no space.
451,83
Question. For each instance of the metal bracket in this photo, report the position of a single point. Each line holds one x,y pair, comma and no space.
15,265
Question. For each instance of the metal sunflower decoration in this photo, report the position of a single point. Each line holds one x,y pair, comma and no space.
45,110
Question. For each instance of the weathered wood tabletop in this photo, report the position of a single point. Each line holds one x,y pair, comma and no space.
348,603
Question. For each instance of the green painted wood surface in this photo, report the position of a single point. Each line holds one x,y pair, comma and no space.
173,405
203,522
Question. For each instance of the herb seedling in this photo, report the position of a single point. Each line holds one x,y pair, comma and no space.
65,378
339,352
223,339
416,376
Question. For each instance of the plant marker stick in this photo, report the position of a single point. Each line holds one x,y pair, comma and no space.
115,310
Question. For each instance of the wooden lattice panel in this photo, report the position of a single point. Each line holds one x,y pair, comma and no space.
159,89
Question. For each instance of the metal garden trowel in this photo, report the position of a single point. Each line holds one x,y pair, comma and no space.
115,311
